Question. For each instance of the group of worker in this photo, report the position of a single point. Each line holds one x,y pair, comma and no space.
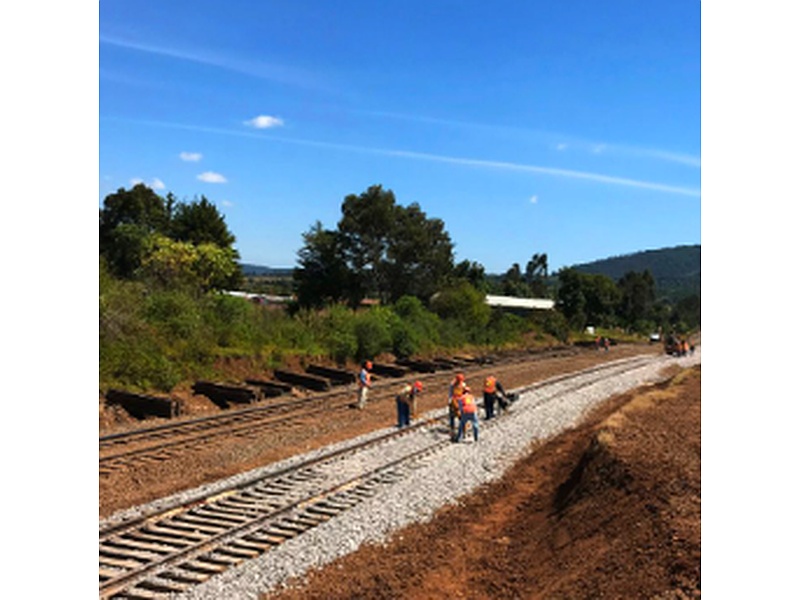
462,407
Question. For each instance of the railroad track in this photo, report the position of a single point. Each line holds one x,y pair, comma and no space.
165,441
171,549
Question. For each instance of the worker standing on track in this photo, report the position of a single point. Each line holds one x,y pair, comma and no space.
467,412
493,393
457,388
364,383
406,401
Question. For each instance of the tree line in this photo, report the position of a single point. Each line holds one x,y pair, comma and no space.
163,262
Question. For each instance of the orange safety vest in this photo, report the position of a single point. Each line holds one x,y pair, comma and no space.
467,404
490,385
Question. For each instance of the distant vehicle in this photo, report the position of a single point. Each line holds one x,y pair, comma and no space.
655,337
672,346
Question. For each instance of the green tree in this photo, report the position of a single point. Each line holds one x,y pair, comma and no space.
638,297
419,255
127,218
514,284
200,222
168,263
379,249
365,228
136,222
571,300
536,275
323,276
472,272
602,298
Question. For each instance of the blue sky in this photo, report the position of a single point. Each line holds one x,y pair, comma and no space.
570,128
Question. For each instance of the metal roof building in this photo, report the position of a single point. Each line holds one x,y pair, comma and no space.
525,303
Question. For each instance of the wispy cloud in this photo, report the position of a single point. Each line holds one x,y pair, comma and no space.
454,160
558,140
263,70
191,156
264,122
534,199
211,177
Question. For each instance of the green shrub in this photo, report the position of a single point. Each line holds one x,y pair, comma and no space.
373,332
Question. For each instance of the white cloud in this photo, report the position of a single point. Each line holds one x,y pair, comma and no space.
227,203
534,199
561,146
211,177
264,122
191,156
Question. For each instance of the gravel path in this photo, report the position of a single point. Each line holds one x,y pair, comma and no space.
460,469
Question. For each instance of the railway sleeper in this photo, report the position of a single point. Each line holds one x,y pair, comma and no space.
239,552
190,529
179,534
207,514
202,524
263,537
135,546
119,563
159,586
169,543
184,577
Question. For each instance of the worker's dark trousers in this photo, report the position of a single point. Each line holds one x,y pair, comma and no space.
488,403
403,413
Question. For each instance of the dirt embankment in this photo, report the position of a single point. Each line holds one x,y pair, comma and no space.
610,509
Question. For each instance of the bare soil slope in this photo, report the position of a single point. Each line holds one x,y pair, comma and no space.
610,509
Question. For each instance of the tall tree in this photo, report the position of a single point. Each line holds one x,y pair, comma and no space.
323,276
127,218
379,249
473,272
419,255
638,296
536,274
514,284
365,227
571,299
200,222
133,222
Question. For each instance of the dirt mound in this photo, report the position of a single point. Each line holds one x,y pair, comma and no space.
610,509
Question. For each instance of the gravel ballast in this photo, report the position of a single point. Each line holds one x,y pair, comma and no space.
541,412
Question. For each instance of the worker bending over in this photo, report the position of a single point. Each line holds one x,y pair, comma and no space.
467,413
493,393
406,401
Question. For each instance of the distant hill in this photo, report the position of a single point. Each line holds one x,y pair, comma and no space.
675,270
259,271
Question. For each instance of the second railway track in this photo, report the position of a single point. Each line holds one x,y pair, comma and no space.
162,442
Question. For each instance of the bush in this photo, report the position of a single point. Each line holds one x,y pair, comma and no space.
373,333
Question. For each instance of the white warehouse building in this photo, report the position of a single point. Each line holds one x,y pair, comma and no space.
524,303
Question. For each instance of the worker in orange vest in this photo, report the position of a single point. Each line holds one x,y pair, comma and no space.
493,393
457,388
467,413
